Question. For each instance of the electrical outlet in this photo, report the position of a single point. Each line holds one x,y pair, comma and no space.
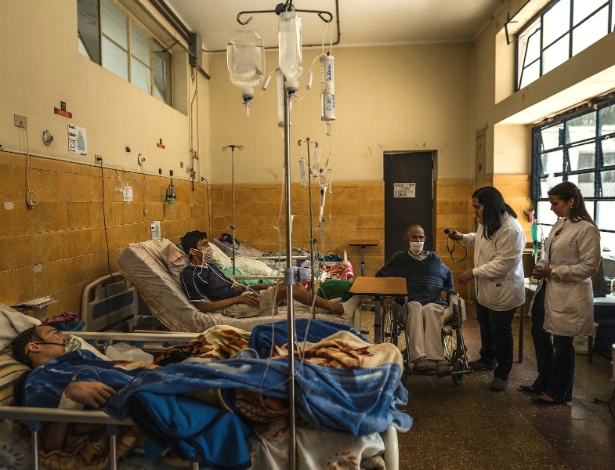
98,159
21,121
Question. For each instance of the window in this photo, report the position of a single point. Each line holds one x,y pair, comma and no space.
578,148
111,37
564,29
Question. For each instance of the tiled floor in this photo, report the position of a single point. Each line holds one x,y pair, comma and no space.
469,426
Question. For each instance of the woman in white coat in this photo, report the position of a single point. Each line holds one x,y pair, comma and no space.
499,283
564,302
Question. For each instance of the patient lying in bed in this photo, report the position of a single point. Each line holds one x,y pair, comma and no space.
175,394
210,290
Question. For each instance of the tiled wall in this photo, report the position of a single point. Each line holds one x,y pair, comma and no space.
67,240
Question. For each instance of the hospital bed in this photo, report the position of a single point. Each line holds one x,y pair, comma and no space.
154,267
16,446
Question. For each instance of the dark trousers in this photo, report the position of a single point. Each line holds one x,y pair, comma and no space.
542,343
496,339
562,370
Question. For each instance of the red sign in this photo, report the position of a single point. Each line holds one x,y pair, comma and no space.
61,112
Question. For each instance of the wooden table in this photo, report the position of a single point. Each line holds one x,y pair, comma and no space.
363,244
379,287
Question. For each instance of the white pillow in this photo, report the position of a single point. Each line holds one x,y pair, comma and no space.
175,259
252,267
221,260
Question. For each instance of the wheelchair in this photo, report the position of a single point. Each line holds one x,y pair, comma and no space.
455,351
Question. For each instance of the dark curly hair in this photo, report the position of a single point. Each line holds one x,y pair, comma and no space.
190,240
20,343
494,208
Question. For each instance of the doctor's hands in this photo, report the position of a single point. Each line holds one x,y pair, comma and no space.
454,235
540,272
466,277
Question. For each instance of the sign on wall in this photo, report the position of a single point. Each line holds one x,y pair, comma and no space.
404,189
77,140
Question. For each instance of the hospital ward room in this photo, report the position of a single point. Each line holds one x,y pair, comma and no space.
307,234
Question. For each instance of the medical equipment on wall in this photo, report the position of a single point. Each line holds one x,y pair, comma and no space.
233,147
169,196
245,58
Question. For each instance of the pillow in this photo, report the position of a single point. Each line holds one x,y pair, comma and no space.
10,370
12,323
252,267
221,260
175,259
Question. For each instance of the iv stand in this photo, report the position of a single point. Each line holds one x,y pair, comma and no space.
233,147
312,241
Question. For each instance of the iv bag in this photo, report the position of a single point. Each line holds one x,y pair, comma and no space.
289,33
245,58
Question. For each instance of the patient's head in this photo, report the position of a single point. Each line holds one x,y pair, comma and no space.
191,240
415,237
38,345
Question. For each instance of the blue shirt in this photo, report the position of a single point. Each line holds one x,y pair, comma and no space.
206,283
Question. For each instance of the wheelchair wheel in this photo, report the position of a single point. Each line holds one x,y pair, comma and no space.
389,327
457,372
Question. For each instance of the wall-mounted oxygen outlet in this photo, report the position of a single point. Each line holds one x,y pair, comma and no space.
21,121
140,160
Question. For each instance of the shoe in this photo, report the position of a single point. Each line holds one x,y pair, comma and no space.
477,365
423,366
529,389
497,384
541,400
443,369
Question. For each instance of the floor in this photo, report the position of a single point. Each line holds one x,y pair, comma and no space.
469,426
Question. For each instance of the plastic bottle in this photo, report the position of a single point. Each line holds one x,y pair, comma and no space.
327,88
245,58
289,32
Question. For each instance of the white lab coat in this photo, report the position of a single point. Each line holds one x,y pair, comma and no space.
498,271
573,250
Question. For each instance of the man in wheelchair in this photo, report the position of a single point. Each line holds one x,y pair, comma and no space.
426,276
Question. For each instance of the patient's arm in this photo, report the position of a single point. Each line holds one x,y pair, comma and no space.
248,299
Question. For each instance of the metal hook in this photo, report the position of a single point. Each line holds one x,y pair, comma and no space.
325,16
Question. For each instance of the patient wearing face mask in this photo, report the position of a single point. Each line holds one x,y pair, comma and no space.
209,290
425,312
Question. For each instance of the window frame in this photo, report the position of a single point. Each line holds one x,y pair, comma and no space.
536,25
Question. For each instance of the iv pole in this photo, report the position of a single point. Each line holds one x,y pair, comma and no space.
233,147
290,277
312,241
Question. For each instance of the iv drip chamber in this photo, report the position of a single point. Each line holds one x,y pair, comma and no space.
327,97
289,35
245,59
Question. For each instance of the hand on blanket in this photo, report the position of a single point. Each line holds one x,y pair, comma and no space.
250,299
94,394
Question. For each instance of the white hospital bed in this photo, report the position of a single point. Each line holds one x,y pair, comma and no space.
16,447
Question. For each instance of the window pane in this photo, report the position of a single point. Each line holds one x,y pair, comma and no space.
608,152
556,22
544,213
607,241
608,183
162,77
140,76
114,23
140,44
607,118
547,183
582,157
589,32
530,74
585,182
552,162
555,55
551,136
584,8
581,128
89,44
114,59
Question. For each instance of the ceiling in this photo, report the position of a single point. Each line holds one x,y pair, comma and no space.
354,22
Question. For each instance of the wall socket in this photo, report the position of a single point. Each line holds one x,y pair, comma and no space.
21,121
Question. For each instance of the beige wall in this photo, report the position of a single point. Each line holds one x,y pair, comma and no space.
387,99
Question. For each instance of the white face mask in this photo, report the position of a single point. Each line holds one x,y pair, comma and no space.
208,255
416,247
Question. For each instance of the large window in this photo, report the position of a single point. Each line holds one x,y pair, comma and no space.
111,37
579,148
564,29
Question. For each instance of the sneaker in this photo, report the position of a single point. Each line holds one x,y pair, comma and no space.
497,385
477,365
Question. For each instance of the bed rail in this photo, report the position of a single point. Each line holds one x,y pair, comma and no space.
108,301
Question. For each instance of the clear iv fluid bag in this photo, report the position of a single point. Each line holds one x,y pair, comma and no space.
245,58
289,32
327,88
